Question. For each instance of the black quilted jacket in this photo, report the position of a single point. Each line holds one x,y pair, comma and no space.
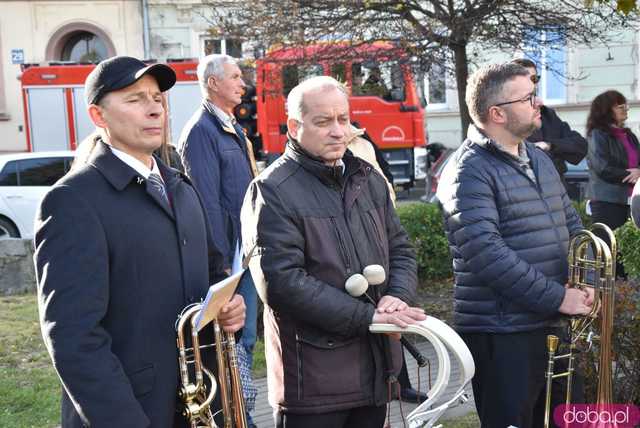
508,236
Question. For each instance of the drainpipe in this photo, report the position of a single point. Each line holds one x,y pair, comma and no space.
145,28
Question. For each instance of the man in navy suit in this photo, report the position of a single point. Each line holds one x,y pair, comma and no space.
122,247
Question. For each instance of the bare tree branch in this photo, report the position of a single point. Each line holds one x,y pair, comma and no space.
452,34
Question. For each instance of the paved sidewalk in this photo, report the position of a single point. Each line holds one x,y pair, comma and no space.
263,417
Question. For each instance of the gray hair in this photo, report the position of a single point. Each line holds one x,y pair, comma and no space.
485,87
212,65
295,100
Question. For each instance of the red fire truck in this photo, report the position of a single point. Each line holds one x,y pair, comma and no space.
383,100
389,109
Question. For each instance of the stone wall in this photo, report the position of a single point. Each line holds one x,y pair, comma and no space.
17,273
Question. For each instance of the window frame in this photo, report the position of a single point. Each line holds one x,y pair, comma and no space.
223,45
540,56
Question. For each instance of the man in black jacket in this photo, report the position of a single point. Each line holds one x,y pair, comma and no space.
319,215
508,221
555,136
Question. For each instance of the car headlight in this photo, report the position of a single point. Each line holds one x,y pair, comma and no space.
420,163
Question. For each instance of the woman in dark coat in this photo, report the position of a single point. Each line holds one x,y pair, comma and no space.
613,159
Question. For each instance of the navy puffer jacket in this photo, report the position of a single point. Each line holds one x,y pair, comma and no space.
508,235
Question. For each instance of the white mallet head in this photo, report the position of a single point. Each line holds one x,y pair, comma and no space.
356,285
374,274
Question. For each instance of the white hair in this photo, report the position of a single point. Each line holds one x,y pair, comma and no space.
212,65
295,101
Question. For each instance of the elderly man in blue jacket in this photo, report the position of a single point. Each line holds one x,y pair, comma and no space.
218,158
509,221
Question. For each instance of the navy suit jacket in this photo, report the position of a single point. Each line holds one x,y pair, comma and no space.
114,270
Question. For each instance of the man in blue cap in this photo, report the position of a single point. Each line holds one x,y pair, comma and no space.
122,247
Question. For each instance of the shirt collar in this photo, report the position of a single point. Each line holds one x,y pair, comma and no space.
226,119
134,163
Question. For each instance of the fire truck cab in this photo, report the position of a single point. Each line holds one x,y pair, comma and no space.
383,100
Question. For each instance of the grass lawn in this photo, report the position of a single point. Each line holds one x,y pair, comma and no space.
29,387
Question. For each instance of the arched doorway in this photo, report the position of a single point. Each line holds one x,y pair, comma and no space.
79,42
83,46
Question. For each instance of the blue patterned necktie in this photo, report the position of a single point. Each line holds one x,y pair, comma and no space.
155,185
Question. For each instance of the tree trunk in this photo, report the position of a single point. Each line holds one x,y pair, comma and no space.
462,73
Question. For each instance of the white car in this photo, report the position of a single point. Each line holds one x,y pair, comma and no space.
24,179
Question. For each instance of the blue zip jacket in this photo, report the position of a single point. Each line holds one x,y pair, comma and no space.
215,158
508,235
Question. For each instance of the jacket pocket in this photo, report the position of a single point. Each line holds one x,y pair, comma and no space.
378,236
328,366
142,380
342,245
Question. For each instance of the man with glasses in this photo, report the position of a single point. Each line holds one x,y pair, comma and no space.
508,221
555,136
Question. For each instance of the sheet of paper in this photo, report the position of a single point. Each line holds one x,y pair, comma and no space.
218,295
221,292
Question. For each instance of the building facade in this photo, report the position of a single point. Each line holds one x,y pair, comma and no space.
40,31
575,76
51,31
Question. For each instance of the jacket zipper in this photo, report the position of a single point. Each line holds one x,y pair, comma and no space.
299,358
343,249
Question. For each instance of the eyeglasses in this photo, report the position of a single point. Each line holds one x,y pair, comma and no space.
531,99
535,78
624,107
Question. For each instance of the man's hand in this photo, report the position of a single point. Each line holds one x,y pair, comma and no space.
577,302
232,315
409,315
634,174
543,145
590,295
391,304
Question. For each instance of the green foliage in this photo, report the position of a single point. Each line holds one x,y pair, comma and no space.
626,326
626,348
259,368
423,223
628,237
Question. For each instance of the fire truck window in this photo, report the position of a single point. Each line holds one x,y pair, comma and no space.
9,174
289,78
293,74
40,172
83,46
396,79
379,80
339,72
